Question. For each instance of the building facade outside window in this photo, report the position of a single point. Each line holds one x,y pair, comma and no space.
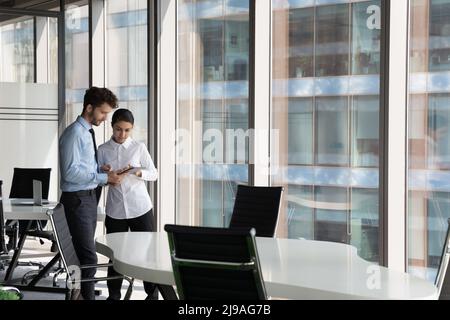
126,60
326,108
428,135
212,109
17,50
77,59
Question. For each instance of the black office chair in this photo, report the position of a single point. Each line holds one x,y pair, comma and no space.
3,249
4,227
442,280
22,188
69,258
214,263
257,207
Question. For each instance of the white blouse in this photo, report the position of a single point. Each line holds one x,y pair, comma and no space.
130,199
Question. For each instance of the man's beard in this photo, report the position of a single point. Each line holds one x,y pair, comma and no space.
94,121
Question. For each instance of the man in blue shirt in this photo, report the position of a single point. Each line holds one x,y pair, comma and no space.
80,177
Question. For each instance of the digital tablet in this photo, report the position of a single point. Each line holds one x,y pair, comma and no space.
129,170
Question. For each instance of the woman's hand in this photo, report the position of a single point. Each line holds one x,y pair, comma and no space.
106,168
138,174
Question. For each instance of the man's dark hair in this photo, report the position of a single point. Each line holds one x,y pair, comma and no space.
98,96
122,115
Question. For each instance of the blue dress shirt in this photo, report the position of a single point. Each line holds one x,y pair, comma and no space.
79,170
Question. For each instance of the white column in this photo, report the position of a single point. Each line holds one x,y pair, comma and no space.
397,150
261,147
42,63
167,100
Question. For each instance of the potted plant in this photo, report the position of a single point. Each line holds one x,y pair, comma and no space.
10,293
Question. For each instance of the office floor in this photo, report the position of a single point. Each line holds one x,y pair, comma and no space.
35,252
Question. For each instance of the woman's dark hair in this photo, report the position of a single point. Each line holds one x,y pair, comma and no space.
97,96
122,115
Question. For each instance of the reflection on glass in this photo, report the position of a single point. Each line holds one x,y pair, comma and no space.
365,223
301,38
300,136
365,135
212,111
329,136
126,56
366,39
332,40
77,60
439,33
17,50
332,131
429,136
331,207
28,97
300,214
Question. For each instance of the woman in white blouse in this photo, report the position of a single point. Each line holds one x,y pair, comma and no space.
128,205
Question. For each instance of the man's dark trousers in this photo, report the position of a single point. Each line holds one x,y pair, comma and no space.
81,214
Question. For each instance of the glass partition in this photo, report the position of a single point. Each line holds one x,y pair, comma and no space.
28,97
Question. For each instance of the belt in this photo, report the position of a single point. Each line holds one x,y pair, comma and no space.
82,193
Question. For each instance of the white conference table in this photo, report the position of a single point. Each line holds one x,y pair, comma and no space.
292,269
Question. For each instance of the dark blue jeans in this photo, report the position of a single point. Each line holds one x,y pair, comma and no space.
81,215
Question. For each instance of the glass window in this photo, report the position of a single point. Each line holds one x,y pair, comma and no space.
332,131
28,97
429,136
326,110
301,37
300,128
365,39
366,131
331,214
212,112
300,213
332,40
439,32
17,54
126,60
365,223
77,60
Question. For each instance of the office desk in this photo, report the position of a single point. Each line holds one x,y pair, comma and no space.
30,212
293,269
21,212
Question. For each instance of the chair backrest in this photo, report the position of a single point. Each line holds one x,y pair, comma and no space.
63,239
442,281
22,183
213,263
3,248
257,207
